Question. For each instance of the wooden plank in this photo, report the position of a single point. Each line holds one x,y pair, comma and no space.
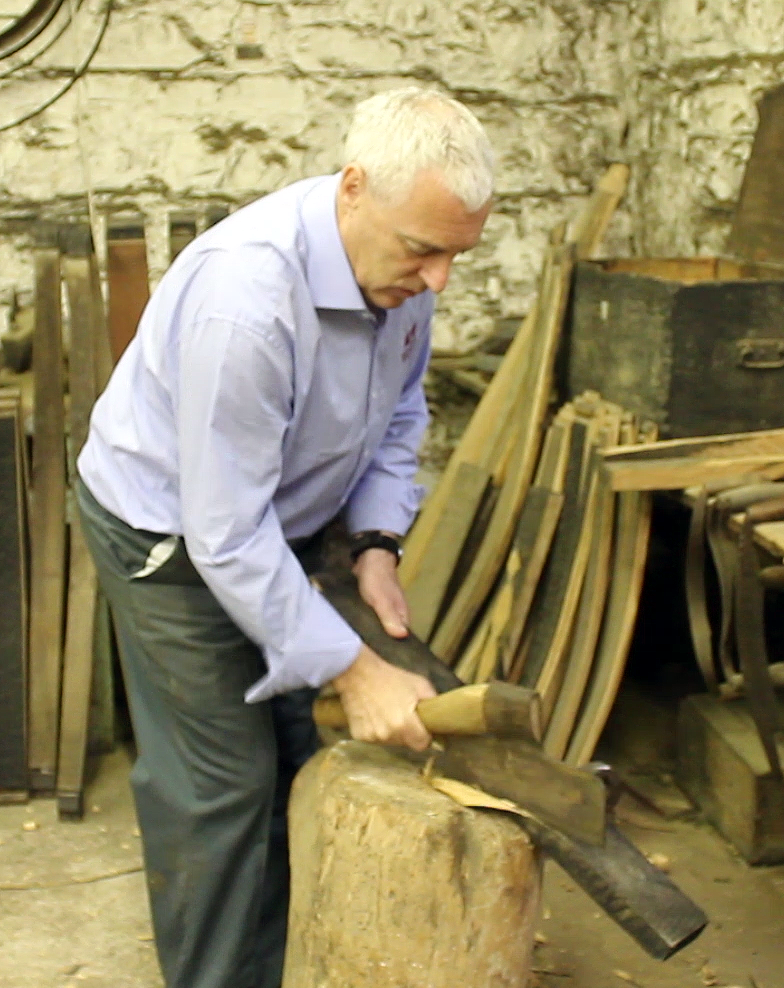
687,270
590,227
694,270
215,214
508,611
512,599
126,266
530,417
602,430
735,270
680,463
535,537
82,374
82,580
77,675
426,592
677,474
182,229
468,663
587,623
480,436
758,226
13,603
47,522
550,676
632,531
471,381
470,548
102,729
103,361
725,446
552,586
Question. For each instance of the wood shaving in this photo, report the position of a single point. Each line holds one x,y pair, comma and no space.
660,861
625,976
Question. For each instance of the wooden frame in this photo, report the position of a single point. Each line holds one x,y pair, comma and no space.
14,606
48,517
85,328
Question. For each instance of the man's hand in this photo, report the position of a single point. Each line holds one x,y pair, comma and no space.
380,701
376,573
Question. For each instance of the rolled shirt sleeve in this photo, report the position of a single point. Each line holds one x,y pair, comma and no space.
233,409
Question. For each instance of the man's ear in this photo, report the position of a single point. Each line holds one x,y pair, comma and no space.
353,183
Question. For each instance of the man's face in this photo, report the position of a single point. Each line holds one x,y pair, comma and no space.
399,251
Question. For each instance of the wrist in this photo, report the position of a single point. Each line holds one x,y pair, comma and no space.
375,539
346,679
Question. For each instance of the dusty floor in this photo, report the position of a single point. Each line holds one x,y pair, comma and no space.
73,909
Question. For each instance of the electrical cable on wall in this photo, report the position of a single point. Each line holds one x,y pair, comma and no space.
26,27
77,74
49,43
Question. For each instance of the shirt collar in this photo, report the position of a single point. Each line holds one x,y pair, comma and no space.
327,267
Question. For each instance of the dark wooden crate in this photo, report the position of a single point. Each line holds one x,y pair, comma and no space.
696,345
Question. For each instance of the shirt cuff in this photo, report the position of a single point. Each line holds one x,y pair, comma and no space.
383,503
308,661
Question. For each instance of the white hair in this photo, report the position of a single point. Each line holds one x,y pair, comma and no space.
397,133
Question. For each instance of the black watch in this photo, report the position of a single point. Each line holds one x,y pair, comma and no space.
374,540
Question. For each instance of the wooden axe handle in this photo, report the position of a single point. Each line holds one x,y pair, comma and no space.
482,708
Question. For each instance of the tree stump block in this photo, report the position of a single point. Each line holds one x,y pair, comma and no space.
394,885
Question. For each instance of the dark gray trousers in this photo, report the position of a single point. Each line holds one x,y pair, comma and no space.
212,776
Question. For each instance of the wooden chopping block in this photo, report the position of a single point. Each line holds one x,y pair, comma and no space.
395,885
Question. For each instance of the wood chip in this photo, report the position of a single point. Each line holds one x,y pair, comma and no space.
625,976
30,825
708,976
660,861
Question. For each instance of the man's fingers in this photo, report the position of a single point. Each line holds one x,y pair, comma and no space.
393,625
416,735
406,730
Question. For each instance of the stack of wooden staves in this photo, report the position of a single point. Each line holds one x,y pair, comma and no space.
527,560
57,699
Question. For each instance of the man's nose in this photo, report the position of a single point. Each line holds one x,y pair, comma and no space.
435,272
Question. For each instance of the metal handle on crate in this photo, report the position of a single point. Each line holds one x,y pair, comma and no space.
761,354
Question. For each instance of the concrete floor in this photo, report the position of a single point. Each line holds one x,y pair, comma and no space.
73,909
73,912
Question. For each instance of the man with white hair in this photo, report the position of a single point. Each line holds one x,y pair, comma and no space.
274,383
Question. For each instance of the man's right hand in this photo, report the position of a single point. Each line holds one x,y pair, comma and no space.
380,701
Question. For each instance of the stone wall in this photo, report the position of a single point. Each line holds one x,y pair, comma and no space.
218,101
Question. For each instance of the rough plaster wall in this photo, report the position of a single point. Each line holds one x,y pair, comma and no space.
702,66
168,117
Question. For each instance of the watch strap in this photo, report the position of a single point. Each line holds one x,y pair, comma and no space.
374,540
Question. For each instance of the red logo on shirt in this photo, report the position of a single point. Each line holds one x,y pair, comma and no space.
408,342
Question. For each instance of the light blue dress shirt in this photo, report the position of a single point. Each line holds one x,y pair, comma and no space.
259,398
